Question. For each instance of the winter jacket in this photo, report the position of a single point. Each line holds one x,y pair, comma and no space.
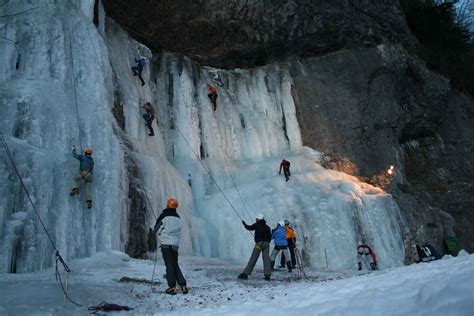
262,231
290,233
150,110
285,163
168,227
279,235
87,163
140,62
363,249
212,89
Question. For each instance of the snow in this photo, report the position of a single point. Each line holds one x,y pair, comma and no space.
443,287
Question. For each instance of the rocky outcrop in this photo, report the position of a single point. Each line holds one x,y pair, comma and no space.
359,92
234,33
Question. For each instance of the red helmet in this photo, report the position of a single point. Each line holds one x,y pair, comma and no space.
88,152
172,203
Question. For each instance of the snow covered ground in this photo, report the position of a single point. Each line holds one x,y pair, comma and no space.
443,287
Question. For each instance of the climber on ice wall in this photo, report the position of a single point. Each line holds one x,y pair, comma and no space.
285,164
86,168
149,116
137,70
212,95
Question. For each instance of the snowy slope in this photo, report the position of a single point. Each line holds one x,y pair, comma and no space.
60,57
443,287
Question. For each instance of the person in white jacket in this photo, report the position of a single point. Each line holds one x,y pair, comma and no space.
168,228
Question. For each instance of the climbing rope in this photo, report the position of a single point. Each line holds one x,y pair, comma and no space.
209,174
58,255
74,82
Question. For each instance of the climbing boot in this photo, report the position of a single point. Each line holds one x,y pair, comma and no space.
184,289
272,265
74,191
267,277
89,204
359,265
373,266
171,291
243,276
288,264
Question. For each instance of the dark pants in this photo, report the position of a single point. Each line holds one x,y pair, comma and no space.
291,247
173,272
286,171
148,123
213,98
138,71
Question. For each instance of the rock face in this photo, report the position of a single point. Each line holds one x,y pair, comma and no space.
234,33
359,93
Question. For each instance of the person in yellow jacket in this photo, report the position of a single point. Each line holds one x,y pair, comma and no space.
291,238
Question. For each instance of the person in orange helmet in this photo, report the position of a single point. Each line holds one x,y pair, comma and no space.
168,228
212,95
86,168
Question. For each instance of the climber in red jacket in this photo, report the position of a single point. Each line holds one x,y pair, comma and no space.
367,255
285,164
212,95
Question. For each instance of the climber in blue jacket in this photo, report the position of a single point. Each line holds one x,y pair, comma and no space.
86,168
137,70
279,237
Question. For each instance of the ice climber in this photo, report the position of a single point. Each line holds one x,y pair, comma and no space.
366,256
149,116
285,164
137,70
279,236
263,236
86,168
291,239
212,95
168,228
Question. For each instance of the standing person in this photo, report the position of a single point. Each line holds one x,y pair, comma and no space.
279,236
149,116
137,70
366,255
263,236
168,228
86,168
285,164
291,239
212,95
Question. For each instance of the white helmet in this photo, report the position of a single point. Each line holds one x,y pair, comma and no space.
281,223
259,216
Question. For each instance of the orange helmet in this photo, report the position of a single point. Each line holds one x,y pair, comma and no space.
88,151
172,203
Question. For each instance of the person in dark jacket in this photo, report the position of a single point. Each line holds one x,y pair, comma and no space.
285,164
279,236
212,95
263,236
86,168
168,228
291,239
149,116
137,70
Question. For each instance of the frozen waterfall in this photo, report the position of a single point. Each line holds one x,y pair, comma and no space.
55,55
